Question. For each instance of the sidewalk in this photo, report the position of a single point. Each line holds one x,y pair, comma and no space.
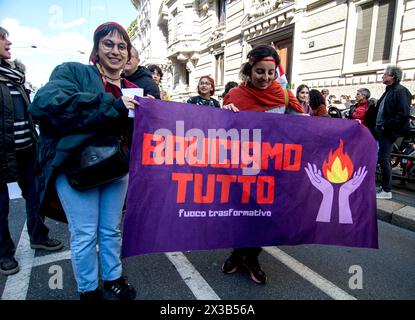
396,213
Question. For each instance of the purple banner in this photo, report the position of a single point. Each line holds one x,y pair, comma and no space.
204,178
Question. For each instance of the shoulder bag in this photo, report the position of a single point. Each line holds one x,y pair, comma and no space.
98,163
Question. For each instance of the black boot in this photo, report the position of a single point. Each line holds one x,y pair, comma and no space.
121,288
251,264
94,295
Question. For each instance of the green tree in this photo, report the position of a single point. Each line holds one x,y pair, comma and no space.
132,28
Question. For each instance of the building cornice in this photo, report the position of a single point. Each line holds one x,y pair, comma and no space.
184,50
217,36
255,25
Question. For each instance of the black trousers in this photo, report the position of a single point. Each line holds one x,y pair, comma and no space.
38,232
384,158
249,253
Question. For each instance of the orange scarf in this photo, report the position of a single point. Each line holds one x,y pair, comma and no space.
321,111
246,97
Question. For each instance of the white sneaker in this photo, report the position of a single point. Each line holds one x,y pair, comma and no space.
383,195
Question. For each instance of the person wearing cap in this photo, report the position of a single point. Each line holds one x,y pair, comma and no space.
17,159
87,99
258,92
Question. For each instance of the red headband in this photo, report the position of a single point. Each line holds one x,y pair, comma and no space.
269,59
111,23
253,60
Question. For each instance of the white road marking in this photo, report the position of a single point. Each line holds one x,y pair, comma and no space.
14,190
311,276
50,258
17,285
199,287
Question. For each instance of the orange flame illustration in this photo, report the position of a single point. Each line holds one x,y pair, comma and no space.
339,167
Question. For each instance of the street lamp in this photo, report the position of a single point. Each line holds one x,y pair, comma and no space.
36,47
24,47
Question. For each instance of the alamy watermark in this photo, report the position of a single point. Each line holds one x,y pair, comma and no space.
56,280
356,280
247,140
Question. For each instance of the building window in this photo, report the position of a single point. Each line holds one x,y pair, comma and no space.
219,69
374,32
188,21
186,76
181,76
372,35
221,12
174,25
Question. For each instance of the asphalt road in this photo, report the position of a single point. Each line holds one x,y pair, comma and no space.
306,272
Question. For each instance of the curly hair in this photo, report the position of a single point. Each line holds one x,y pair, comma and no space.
316,99
256,55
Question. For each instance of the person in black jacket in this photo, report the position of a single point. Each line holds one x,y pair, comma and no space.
364,110
141,76
17,159
392,121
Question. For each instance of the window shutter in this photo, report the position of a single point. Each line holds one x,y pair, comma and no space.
364,23
221,12
219,69
384,31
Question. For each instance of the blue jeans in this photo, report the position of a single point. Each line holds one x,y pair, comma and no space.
38,232
94,216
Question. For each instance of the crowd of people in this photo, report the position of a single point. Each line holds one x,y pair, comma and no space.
83,101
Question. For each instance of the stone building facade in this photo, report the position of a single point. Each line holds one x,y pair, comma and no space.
149,39
339,45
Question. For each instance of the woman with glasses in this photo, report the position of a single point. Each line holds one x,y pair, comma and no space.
206,89
81,100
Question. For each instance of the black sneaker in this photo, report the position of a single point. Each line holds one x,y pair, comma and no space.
9,266
252,265
91,295
50,245
121,288
231,265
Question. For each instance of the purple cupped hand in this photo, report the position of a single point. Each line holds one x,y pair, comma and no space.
345,214
325,187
